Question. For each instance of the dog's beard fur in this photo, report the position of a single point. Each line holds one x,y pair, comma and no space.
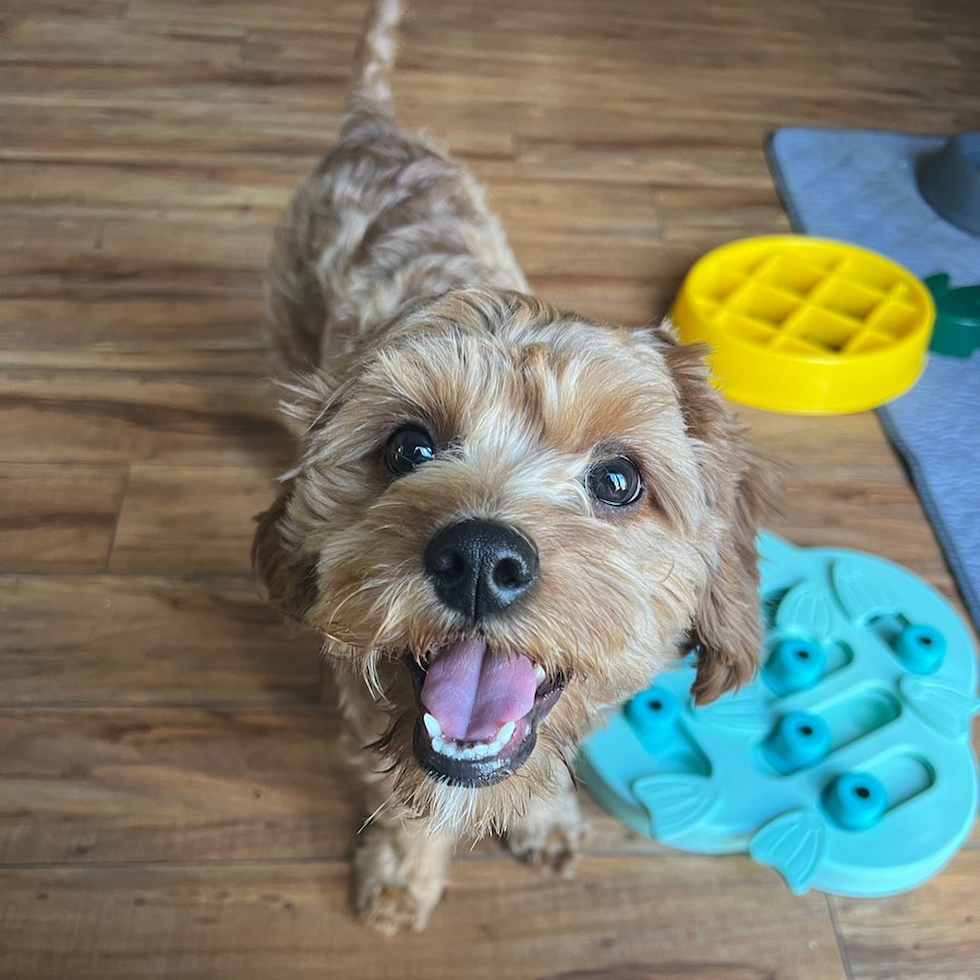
523,399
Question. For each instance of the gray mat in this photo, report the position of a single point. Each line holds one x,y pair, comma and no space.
859,186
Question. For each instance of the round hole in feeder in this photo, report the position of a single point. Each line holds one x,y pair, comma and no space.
862,791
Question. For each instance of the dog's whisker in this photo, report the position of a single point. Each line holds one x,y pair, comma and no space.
371,818
334,613
670,571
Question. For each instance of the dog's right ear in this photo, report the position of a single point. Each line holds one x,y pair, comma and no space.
288,577
280,559
308,400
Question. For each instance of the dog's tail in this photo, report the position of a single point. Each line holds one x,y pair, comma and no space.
371,92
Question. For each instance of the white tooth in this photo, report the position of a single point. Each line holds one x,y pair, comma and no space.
503,736
467,751
539,674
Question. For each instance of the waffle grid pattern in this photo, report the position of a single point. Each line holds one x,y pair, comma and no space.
811,301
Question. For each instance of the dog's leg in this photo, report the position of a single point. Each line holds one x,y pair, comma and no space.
400,868
400,872
550,832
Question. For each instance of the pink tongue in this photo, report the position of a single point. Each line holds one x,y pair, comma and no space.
471,691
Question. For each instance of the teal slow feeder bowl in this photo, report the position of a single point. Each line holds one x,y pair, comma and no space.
846,765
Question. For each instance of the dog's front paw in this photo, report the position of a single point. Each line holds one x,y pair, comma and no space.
549,837
392,890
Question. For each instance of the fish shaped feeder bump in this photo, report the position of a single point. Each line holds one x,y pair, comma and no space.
846,765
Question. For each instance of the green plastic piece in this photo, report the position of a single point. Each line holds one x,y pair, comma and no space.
957,329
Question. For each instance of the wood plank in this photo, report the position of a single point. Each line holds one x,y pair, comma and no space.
133,129
190,519
254,13
930,933
620,920
165,784
282,129
703,214
110,41
58,517
90,246
104,329
608,299
660,159
187,193
532,40
599,213
96,416
846,488
573,228
94,639
19,9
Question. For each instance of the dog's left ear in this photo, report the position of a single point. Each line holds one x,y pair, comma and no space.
740,489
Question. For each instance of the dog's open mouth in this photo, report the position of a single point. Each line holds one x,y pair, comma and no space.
479,709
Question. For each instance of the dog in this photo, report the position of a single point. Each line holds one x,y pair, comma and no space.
504,519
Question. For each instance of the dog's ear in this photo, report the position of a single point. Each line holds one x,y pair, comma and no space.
288,577
308,400
280,560
740,489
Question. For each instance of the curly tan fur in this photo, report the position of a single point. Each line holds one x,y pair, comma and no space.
394,298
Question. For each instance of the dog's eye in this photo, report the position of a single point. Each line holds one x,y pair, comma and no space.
407,450
615,481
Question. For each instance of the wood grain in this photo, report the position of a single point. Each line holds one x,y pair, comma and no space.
105,416
286,920
190,519
58,517
845,487
563,227
166,784
101,328
931,932
174,797
126,639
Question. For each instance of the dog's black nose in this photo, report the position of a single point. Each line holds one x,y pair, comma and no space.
479,568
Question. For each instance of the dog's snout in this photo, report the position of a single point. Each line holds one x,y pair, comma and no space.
479,568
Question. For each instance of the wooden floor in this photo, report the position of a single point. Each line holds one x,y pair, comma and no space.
172,799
